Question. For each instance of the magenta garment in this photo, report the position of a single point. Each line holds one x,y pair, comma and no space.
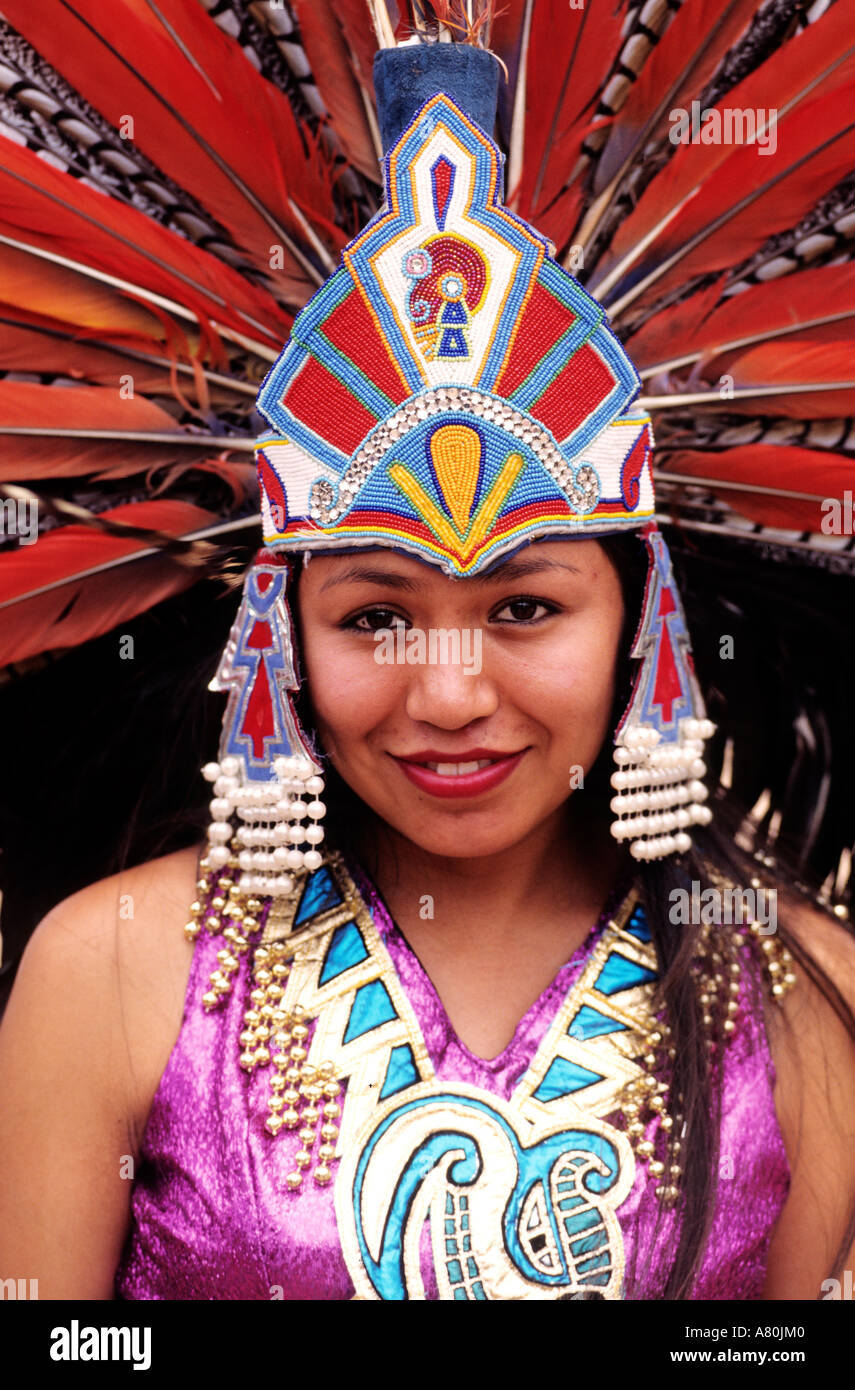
213,1219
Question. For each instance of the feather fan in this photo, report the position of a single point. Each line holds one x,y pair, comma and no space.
204,164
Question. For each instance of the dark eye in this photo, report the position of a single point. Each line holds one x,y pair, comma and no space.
375,619
523,610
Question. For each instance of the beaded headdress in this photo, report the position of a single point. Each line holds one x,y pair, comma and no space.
453,393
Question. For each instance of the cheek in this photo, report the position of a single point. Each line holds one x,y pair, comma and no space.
347,694
570,685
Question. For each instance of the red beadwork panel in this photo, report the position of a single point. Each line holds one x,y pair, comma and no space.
542,323
572,397
351,329
320,400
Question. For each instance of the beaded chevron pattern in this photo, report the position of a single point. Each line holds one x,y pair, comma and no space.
354,1096
447,314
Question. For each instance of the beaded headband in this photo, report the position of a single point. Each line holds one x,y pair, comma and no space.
450,392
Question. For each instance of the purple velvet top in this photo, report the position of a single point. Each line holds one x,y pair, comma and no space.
212,1216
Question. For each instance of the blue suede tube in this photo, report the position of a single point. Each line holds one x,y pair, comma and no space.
405,78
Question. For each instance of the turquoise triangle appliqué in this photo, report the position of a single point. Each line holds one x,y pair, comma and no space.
619,973
637,925
319,895
345,950
590,1023
563,1078
371,1008
401,1071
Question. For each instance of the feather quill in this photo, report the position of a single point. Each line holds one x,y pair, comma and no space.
814,475
108,426
814,304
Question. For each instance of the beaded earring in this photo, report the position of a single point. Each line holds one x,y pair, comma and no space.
659,742
267,783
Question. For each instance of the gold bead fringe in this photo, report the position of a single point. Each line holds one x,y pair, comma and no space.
717,969
302,1097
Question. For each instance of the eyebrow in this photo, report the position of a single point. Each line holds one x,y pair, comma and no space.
506,573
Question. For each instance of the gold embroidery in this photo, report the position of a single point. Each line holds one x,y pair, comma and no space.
522,1197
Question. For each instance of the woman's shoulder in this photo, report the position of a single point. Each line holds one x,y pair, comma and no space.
114,960
812,1037
122,925
824,949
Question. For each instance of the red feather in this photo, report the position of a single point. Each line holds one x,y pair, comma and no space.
793,362
811,471
675,330
58,294
333,72
87,607
26,347
809,66
696,327
85,408
47,208
679,67
754,196
569,56
200,112
352,17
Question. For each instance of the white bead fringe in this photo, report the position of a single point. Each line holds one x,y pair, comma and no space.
271,826
659,791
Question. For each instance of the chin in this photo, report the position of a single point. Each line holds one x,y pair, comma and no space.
451,835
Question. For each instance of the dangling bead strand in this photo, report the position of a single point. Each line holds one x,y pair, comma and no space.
659,791
278,828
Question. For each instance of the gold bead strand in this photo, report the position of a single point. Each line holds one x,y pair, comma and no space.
236,923
200,905
330,1115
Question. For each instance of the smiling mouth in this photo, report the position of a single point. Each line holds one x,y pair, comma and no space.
459,769
472,776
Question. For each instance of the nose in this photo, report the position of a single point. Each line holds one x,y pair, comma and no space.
449,697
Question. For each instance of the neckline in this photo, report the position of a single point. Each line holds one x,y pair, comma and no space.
389,930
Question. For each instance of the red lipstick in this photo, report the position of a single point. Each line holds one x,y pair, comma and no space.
446,783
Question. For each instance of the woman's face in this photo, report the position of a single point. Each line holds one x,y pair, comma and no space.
464,750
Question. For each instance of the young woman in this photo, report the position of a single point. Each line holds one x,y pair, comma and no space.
514,877
504,1038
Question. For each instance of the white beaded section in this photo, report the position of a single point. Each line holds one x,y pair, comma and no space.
270,832
659,791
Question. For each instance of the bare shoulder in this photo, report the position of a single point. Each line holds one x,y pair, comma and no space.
813,1047
825,981
117,953
87,1032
